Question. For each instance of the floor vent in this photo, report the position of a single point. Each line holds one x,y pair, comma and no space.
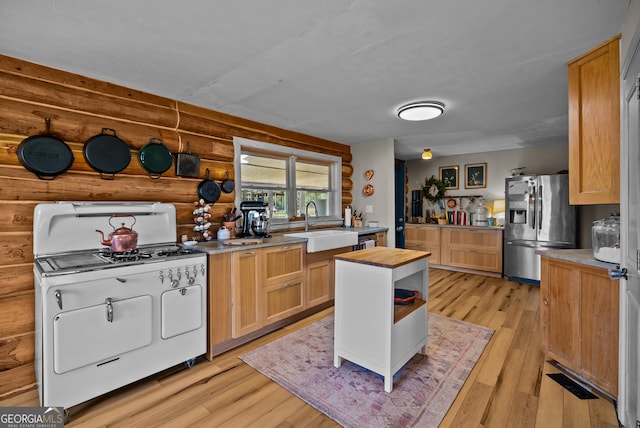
572,386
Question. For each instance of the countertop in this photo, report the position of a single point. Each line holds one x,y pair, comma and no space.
579,256
390,258
276,239
457,226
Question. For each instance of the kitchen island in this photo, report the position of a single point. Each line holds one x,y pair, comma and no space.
369,329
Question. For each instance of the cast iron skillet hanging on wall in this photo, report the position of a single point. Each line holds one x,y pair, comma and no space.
107,154
209,190
155,158
227,185
45,155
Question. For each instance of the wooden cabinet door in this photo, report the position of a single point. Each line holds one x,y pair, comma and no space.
424,238
599,328
246,273
594,126
220,304
560,295
479,249
319,282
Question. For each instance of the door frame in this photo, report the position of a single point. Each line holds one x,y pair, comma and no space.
399,201
627,405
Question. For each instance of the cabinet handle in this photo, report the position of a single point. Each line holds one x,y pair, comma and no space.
249,253
286,284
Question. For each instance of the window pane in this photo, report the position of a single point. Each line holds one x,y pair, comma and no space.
263,170
276,199
320,206
312,176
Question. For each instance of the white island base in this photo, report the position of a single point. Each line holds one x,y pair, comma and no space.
369,329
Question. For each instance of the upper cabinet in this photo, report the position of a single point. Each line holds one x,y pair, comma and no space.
594,126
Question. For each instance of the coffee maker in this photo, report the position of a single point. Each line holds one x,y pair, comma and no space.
255,220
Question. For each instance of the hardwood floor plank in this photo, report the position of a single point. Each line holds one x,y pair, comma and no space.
185,418
497,348
523,410
602,413
473,407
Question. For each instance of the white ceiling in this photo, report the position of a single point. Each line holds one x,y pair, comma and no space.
336,69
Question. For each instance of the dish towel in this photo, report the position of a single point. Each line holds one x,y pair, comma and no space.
369,243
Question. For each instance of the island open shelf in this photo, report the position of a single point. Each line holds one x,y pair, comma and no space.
369,329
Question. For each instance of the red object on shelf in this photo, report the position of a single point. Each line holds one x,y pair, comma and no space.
405,297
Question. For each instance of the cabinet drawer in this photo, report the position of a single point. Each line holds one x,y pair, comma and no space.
281,262
283,299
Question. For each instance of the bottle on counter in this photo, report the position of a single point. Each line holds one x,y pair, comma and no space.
347,216
482,215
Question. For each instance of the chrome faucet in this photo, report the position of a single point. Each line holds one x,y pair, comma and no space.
306,214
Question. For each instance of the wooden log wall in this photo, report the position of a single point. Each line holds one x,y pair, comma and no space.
79,108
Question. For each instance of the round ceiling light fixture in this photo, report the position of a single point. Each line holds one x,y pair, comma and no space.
426,154
421,110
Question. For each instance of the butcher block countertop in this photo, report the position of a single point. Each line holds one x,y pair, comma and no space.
383,256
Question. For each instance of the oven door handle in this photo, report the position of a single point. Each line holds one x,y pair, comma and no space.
109,310
58,295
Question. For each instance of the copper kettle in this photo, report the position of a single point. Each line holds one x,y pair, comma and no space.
122,239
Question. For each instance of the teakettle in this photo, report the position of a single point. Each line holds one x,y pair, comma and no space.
122,239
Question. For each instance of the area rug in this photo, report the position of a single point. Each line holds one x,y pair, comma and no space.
423,390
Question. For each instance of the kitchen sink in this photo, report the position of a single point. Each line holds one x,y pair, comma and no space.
321,240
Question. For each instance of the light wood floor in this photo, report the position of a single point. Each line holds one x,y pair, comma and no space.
507,388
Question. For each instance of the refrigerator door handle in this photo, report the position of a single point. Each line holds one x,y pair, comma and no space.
532,206
539,202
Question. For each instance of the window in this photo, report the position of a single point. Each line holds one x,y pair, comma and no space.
289,180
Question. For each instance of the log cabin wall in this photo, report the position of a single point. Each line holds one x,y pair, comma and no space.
79,108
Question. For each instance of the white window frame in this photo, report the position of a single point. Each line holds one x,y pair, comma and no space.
335,179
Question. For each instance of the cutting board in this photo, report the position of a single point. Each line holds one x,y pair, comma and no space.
243,241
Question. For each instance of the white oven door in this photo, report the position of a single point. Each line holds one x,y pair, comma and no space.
95,334
181,311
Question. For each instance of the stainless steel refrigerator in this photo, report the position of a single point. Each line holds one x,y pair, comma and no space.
538,216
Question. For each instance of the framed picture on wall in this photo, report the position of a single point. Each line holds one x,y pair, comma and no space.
475,175
449,176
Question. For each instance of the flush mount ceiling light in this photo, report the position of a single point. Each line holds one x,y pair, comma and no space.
421,110
426,154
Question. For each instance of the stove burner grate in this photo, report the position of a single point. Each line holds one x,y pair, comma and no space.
125,256
175,251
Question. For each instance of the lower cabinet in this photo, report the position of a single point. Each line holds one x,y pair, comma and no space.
283,282
424,238
246,285
579,316
320,276
477,249
267,285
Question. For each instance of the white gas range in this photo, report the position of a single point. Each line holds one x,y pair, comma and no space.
104,320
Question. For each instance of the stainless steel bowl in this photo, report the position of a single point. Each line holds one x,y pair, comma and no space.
260,227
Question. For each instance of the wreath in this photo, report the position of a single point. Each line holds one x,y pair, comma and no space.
433,189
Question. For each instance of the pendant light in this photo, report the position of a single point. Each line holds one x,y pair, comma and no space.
426,154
